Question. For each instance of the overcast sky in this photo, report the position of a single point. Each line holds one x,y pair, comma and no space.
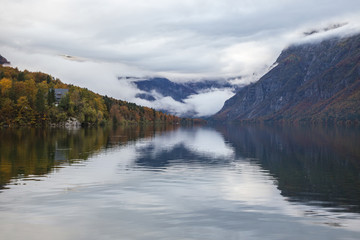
178,39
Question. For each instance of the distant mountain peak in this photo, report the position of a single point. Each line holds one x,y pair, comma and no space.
184,98
325,29
164,87
3,60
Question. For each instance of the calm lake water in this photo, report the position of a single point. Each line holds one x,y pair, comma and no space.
230,182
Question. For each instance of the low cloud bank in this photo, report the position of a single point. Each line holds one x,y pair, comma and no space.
179,40
203,104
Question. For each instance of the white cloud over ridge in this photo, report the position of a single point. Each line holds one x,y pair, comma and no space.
187,39
203,104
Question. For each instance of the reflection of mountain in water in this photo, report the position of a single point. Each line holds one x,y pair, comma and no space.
187,146
178,154
318,166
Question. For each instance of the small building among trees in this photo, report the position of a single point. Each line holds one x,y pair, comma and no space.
59,93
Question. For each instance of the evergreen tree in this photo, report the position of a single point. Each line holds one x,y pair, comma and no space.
65,102
21,77
40,102
51,97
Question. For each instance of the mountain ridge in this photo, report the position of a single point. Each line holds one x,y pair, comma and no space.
178,91
313,82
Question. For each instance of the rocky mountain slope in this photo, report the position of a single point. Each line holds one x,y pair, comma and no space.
313,82
3,60
165,87
178,91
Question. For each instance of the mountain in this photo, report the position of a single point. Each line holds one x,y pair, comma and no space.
3,60
178,91
190,99
165,87
210,84
312,82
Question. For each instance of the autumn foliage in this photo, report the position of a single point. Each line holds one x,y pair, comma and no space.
28,98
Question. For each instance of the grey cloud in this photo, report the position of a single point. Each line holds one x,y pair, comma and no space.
182,39
202,104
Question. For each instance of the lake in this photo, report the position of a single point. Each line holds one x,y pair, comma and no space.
166,182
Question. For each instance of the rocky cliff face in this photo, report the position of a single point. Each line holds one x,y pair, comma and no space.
311,82
3,60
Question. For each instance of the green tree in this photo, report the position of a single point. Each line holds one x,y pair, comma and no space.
40,102
89,114
21,77
64,103
51,97
108,102
48,79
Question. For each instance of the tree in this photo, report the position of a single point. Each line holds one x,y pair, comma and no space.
64,103
30,91
75,98
40,102
48,79
25,112
7,111
89,114
51,97
21,77
5,85
108,102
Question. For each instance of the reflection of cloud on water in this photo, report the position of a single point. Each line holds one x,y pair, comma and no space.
110,195
251,185
239,180
257,191
202,141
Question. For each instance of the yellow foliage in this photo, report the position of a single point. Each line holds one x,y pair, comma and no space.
43,86
23,102
29,98
5,84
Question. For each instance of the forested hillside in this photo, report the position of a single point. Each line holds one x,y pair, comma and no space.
28,98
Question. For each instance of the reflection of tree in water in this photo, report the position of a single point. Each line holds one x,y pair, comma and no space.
314,165
27,152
